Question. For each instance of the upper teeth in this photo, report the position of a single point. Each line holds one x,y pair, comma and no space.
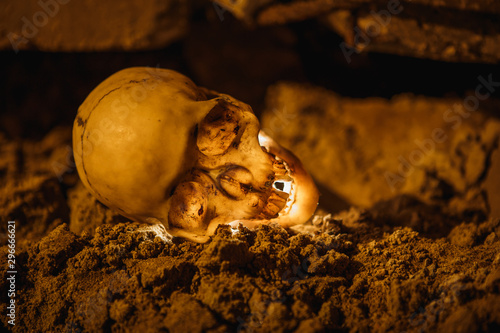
281,199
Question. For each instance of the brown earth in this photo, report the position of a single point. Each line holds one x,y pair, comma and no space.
407,263
359,270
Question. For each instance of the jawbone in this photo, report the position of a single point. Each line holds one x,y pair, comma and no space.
303,195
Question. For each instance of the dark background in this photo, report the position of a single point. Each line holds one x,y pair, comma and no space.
41,90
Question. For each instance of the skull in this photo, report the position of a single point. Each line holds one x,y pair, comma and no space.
155,147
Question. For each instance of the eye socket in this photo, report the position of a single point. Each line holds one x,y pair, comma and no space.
218,130
236,182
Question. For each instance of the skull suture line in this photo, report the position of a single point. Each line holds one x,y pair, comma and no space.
155,147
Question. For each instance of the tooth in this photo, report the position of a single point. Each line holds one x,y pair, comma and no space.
271,210
284,178
278,195
262,216
256,201
279,168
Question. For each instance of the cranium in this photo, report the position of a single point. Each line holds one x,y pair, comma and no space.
155,147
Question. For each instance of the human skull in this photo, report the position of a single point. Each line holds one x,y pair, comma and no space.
155,147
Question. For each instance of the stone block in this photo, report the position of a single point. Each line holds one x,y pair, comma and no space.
368,150
91,25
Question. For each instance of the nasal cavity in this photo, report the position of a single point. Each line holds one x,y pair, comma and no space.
283,186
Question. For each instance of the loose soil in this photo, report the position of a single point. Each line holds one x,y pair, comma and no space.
82,268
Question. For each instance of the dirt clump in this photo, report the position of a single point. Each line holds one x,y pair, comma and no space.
347,275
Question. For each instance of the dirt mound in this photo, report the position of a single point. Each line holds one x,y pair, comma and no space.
348,274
